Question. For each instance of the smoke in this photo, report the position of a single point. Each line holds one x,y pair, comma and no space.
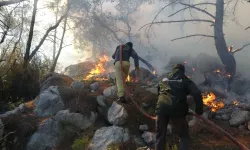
164,33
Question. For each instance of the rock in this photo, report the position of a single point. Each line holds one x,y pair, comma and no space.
241,127
143,148
149,137
144,105
18,110
80,121
152,90
108,135
144,127
218,117
49,132
81,69
48,103
54,79
100,100
238,117
94,86
117,115
1,128
139,141
77,85
169,129
248,125
144,76
225,117
110,92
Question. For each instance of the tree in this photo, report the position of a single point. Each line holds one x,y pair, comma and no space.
225,52
4,3
52,69
28,56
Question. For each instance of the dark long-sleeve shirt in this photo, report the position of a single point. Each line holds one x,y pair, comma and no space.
126,54
172,95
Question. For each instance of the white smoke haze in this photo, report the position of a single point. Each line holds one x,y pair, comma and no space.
235,34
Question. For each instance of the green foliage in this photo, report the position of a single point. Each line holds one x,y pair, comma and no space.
12,105
113,147
173,147
81,144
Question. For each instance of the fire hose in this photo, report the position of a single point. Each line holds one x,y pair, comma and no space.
213,125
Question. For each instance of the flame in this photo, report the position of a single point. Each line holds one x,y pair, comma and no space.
154,72
209,100
217,71
128,79
99,68
236,102
30,105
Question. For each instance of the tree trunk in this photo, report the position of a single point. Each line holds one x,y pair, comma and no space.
54,44
53,67
4,3
30,37
226,57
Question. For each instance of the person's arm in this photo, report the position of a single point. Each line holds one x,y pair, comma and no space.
135,57
113,55
196,93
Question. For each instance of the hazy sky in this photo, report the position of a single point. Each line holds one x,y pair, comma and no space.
235,34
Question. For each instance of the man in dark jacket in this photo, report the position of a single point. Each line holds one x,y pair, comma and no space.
127,52
172,105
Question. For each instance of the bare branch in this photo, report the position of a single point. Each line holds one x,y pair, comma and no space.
4,3
188,36
239,49
177,21
201,10
247,28
46,34
189,7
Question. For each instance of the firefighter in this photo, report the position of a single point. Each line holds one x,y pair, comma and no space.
172,105
127,52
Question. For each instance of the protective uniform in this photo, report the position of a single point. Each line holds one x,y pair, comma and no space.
127,52
172,105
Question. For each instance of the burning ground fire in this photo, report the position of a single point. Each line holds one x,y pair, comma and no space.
209,99
99,68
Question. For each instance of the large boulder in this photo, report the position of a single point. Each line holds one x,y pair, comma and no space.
51,131
1,128
77,85
16,111
149,137
117,114
49,102
110,92
106,136
54,79
144,76
239,117
81,69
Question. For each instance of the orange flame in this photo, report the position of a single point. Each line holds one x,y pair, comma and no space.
128,79
154,72
217,71
209,100
236,102
99,68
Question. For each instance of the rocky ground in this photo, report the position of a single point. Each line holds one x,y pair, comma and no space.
72,114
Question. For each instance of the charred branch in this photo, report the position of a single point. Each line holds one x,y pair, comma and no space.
189,7
201,10
178,21
194,35
247,28
4,3
239,49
